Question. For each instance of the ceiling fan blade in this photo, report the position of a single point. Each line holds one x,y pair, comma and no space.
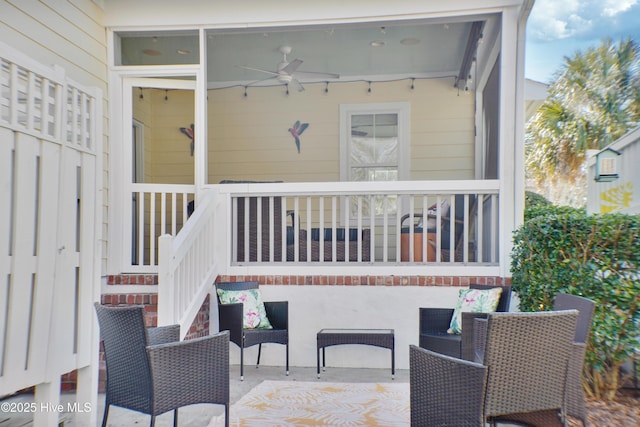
297,85
275,73
292,66
261,80
313,75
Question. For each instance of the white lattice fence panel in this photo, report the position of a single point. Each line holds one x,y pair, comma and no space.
49,171
29,101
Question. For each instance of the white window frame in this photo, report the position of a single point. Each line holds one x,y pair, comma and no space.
402,109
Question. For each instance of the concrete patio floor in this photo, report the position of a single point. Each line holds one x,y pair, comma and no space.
200,415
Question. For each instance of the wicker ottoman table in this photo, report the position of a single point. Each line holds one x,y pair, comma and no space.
384,338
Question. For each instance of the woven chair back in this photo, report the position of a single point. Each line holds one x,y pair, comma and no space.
124,338
527,356
585,308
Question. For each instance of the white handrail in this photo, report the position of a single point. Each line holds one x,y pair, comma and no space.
187,266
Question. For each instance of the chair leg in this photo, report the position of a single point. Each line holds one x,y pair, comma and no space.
259,351
242,363
226,415
153,421
287,357
105,415
175,417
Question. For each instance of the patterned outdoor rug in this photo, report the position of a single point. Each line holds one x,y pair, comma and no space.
293,403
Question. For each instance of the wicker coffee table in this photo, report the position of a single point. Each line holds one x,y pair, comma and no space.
384,338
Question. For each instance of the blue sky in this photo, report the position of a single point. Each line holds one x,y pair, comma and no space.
559,28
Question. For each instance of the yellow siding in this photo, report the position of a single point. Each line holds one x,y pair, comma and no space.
168,148
249,138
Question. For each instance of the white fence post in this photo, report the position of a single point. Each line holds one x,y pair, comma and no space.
166,288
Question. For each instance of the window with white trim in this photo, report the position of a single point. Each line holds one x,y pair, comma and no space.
374,142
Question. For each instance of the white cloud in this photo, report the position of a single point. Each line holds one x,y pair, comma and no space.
557,20
614,7
559,28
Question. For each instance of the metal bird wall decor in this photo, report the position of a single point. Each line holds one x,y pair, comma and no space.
297,130
189,132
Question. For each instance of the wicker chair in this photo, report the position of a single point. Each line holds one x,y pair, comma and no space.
445,391
151,371
434,323
526,357
313,239
576,407
231,318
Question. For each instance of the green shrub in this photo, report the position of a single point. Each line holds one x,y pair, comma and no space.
532,200
596,256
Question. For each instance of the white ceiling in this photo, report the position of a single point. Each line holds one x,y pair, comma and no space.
417,49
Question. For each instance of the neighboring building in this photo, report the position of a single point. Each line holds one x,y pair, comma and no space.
618,187
123,117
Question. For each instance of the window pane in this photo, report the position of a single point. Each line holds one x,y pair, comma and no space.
374,174
378,206
374,139
362,151
159,48
387,150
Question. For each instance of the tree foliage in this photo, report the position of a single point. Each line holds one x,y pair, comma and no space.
595,256
593,100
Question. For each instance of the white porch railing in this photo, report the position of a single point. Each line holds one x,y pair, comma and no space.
453,222
156,209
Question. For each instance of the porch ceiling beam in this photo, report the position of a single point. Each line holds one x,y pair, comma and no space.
469,53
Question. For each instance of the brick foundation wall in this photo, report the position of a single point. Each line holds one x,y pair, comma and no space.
461,281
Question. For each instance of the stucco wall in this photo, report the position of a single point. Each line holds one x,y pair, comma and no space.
312,308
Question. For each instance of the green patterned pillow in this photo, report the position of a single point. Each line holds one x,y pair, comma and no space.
255,316
473,301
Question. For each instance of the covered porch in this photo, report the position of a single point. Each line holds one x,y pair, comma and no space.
380,148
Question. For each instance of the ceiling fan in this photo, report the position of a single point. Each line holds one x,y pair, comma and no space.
287,72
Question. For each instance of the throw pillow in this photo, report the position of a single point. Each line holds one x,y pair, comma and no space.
255,316
433,211
473,301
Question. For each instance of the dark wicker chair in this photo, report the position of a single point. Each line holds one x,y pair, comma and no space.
151,371
525,356
231,318
258,245
434,323
576,407
314,239
445,391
